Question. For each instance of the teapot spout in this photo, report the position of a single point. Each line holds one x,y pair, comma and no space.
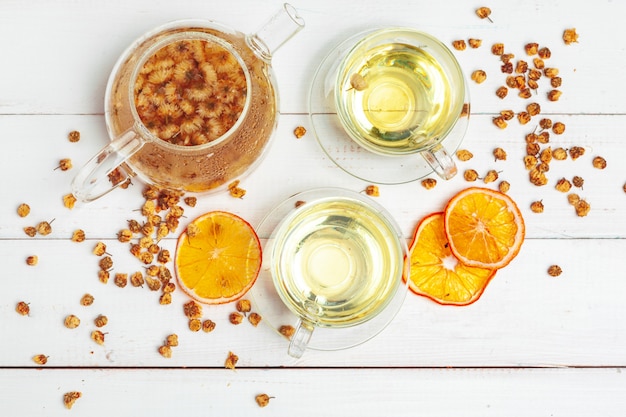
275,32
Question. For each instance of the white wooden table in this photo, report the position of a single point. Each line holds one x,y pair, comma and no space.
532,345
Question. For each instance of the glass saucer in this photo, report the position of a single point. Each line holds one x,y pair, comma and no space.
347,154
266,300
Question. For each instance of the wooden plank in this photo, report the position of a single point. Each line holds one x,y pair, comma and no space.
82,40
524,318
362,392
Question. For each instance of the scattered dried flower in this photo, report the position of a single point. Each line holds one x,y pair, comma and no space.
121,279
491,176
71,321
578,181
166,299
171,340
479,76
551,72
372,191
459,45
100,249
299,132
554,95
194,325
570,36
208,326
544,53
536,207
576,152
287,330
262,400
191,201
429,183
244,306
65,164
470,175
78,236
192,310
254,319
464,155
502,92
165,351
573,199
357,81
32,260
101,321
507,114
504,187
69,201
86,300
74,136
22,308
523,117
563,185
235,318
497,48
231,360
40,359
235,190
554,270
531,48
474,43
582,208
559,154
23,210
69,398
500,122
599,162
484,13
44,228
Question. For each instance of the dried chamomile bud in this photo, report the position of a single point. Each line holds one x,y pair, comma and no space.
578,181
582,208
165,351
74,136
191,201
507,114
429,183
563,185
551,72
71,321
235,190
459,45
530,161
262,400
22,308
23,210
40,359
523,117
554,95
479,76
65,164
559,154
372,191
464,155
558,128
244,306
500,122
194,325
69,201
504,187
78,236
171,340
533,109
544,53
299,131
570,36
86,300
254,319
536,207
599,162
474,43
100,249
44,228
32,260
470,175
101,321
491,176
497,48
98,337
484,13
502,92
208,326
235,318
521,67
576,152
192,310
537,177
531,48
69,398
166,299
554,270
121,279
231,360
287,330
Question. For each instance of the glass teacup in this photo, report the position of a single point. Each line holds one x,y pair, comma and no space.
400,91
337,261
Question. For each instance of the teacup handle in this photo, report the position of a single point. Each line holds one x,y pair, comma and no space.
92,180
440,161
300,339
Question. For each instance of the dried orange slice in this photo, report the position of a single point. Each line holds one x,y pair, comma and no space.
436,273
218,258
484,227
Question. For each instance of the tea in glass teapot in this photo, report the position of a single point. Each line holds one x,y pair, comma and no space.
189,106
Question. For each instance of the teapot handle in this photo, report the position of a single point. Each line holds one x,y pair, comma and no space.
300,339
92,180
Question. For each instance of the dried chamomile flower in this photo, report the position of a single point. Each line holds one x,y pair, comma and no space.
235,190
500,122
262,400
554,270
100,249
103,276
44,228
429,183
554,95
470,175
231,360
71,321
578,181
235,318
506,58
532,148
537,177
153,284
86,300
599,162
299,131
539,63
459,45
507,114
474,43
166,299
65,164
543,137
523,117
491,176
521,67
287,330
98,337
551,72
192,310
558,128
502,92
23,210
165,351
22,308
358,82
101,321
74,136
524,93
146,257
556,82
507,68
32,260
169,287
254,319
171,340
244,306
464,155
504,187
531,48
191,201
530,161
69,398
546,155
545,123
479,76
40,359
563,185
484,13
533,109
536,207
372,191
164,256
497,48
544,53
559,154
582,208
570,36
576,152
78,236
533,75
69,201
121,279
208,326
194,325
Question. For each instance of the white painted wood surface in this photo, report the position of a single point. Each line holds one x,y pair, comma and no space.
532,345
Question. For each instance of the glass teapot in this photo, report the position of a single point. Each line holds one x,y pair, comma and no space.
189,106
